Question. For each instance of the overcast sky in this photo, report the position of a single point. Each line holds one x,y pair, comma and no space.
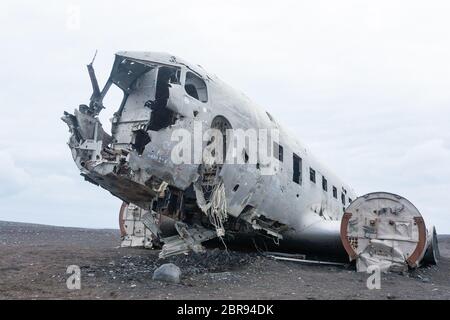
365,85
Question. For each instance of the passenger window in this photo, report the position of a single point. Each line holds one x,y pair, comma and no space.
312,175
196,87
334,192
324,184
278,151
297,169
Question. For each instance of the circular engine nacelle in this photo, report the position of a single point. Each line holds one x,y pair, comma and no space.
386,230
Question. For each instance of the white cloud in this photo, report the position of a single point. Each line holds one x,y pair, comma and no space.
12,178
364,84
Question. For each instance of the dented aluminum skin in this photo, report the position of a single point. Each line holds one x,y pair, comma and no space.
134,163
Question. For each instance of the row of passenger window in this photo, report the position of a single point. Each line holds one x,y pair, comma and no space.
312,178
297,173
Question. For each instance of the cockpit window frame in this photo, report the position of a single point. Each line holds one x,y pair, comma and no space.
201,96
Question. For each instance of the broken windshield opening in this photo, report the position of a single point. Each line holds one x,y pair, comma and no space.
123,80
126,71
112,102
163,117
196,87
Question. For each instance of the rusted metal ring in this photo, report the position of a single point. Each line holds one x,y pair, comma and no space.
344,236
123,207
420,248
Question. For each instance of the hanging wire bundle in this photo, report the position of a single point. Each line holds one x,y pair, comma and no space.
218,209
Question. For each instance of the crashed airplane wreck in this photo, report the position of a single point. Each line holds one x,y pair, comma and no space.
260,187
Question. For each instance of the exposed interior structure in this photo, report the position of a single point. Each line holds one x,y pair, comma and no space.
128,162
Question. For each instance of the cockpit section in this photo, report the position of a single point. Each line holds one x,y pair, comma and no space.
155,96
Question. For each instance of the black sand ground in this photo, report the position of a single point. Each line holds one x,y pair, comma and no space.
34,260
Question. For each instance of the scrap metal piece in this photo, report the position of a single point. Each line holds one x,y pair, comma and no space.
149,221
305,261
260,222
188,238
